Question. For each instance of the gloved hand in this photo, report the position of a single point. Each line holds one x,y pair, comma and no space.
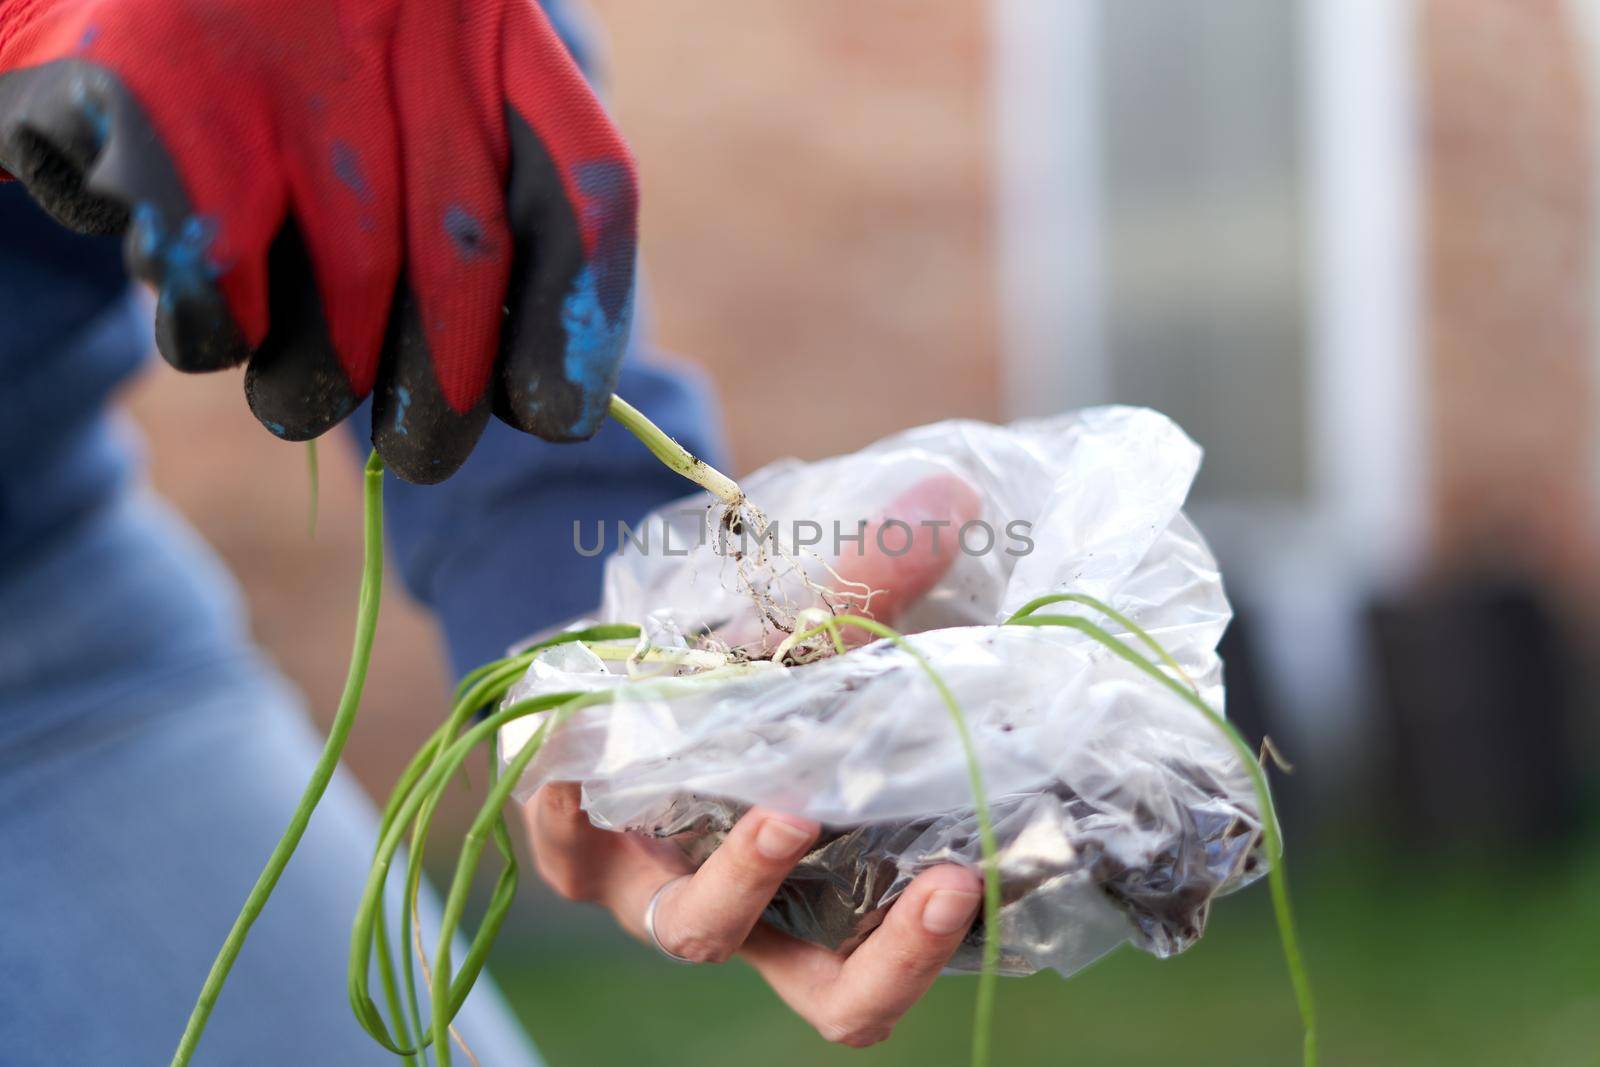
419,199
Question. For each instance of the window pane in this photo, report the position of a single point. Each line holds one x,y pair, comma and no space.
1205,232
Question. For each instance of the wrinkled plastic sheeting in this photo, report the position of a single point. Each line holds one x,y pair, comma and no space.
1120,810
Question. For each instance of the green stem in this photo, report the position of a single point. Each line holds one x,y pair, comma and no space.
483,687
441,758
315,481
322,773
391,990
438,763
675,455
1115,616
440,772
487,689
988,978
448,994
1277,878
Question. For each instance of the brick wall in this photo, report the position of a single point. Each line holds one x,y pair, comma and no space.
1510,287
816,218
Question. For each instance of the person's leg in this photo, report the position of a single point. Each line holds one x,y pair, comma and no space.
148,761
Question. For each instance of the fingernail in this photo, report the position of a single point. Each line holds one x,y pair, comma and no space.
779,840
949,910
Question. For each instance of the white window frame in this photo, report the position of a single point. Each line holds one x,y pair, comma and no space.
1364,524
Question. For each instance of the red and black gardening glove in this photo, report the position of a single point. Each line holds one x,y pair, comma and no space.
418,199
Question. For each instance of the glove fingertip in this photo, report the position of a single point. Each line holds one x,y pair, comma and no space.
195,330
566,399
422,442
296,384
300,396
420,436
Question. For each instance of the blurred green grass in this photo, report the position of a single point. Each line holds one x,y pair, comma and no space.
1442,963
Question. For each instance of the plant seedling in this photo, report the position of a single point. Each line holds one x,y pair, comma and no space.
408,813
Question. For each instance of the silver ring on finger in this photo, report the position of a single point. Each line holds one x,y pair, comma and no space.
650,921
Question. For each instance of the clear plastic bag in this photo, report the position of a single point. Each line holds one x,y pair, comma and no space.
1121,812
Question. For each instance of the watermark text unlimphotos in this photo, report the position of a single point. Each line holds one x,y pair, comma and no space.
836,538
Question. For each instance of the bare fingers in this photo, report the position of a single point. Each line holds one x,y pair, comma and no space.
857,1001
905,554
711,914
707,916
703,917
574,857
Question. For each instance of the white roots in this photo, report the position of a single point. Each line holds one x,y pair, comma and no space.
786,596
778,584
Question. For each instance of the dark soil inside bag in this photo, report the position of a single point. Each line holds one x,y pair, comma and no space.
1160,865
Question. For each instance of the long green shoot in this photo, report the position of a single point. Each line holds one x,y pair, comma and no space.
314,488
343,719
1272,837
414,801
412,804
989,846
662,446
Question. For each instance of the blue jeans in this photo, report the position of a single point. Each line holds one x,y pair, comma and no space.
149,758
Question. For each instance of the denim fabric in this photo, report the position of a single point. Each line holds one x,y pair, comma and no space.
71,330
149,758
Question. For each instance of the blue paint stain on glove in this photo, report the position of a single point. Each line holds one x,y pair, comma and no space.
595,345
182,259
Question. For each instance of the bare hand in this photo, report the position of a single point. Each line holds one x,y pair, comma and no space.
710,915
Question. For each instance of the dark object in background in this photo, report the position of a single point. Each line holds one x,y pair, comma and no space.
1477,709
1255,711
1250,708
